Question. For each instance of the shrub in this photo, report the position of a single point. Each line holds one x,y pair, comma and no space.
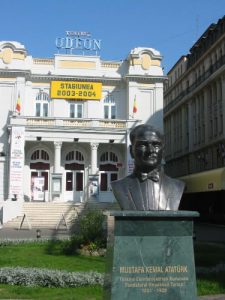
92,229
91,234
48,278
73,245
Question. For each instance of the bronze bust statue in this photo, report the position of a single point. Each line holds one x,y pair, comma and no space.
148,188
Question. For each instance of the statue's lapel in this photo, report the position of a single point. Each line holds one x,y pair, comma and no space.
169,195
135,194
164,195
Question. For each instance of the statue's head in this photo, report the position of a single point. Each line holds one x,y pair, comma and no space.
146,147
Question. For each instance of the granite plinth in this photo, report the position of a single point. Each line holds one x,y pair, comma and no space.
150,256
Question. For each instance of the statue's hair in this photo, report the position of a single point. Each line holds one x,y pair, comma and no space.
136,130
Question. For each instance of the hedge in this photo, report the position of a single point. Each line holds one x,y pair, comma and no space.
48,278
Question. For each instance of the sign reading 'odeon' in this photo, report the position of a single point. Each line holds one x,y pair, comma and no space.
76,90
78,41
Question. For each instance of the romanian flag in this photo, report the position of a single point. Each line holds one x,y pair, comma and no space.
18,105
135,105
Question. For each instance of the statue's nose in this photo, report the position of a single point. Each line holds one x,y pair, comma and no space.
150,148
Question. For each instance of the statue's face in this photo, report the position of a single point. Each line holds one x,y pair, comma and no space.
147,150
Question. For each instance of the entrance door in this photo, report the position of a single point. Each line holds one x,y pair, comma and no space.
39,185
106,178
75,186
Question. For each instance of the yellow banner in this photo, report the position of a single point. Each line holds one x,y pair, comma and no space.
76,90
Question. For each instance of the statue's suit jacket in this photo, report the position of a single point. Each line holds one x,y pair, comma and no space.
127,192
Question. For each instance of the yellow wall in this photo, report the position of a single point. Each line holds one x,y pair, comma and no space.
71,64
213,180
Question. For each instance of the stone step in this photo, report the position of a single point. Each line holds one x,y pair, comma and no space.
52,214
46,215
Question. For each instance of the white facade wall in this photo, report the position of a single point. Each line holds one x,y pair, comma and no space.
49,139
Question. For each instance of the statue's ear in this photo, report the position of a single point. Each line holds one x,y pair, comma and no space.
131,151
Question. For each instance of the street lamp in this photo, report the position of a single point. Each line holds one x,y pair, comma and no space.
38,233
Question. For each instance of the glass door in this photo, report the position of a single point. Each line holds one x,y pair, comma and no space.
75,186
39,185
105,180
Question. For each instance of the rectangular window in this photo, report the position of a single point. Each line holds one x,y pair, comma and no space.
113,112
79,181
45,175
113,176
45,109
72,111
106,112
76,110
69,181
103,185
79,111
38,109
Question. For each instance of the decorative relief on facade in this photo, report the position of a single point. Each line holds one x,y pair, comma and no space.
7,55
75,123
94,146
146,61
145,57
110,65
43,61
108,124
58,144
41,122
72,64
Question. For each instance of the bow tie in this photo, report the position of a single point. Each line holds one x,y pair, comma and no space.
153,175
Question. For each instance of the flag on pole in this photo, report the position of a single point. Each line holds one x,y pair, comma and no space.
135,105
18,104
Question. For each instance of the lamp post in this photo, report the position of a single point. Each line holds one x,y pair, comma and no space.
38,233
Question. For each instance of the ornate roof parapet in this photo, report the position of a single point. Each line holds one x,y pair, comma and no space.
145,61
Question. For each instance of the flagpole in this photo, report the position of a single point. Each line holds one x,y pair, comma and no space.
18,104
134,106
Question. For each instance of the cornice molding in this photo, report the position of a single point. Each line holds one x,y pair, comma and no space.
146,78
50,77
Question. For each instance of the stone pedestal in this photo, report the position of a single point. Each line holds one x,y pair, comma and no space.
150,256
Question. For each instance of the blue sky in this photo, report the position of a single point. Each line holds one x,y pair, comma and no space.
170,26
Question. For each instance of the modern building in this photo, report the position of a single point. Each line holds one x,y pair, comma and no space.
65,122
194,113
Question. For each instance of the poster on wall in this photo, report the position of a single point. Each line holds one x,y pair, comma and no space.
93,186
16,162
76,90
37,188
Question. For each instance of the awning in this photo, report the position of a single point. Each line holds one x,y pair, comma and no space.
213,180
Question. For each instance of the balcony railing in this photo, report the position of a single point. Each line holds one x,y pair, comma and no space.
49,122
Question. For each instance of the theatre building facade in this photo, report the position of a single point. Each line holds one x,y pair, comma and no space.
65,121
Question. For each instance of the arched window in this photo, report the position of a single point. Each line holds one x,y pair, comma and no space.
109,157
42,104
40,154
108,170
40,160
75,155
74,161
109,107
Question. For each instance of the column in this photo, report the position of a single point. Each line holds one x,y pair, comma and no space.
57,158
94,151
